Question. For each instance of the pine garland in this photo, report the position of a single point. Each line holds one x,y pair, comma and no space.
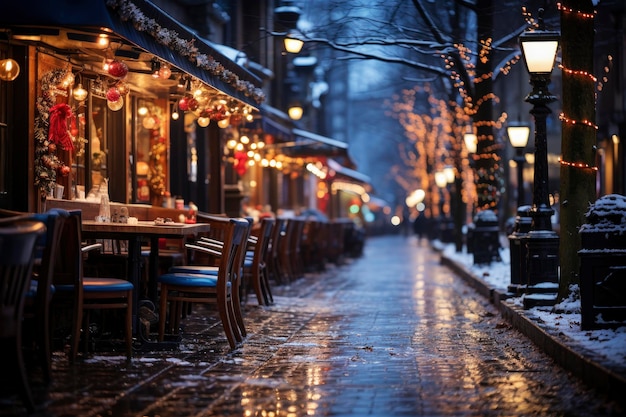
47,163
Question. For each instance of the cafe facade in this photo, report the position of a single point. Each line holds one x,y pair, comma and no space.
115,97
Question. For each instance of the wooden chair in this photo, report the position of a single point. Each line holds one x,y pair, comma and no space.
273,254
39,296
289,250
84,293
209,283
255,266
17,244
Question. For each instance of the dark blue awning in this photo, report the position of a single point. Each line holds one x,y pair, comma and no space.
144,25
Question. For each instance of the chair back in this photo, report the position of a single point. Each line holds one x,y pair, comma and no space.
17,250
265,237
46,251
68,268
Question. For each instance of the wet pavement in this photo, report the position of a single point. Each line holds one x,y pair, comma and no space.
393,333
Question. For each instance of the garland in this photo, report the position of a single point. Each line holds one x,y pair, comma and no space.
130,12
47,163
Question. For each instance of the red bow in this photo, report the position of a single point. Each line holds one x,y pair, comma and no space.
59,133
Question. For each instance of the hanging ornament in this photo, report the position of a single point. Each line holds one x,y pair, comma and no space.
192,104
165,72
115,105
122,87
64,170
183,104
113,94
117,69
58,132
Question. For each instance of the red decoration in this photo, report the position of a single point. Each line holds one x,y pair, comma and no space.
117,69
192,104
58,132
113,95
183,104
65,170
240,163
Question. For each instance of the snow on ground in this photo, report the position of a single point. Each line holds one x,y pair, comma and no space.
609,344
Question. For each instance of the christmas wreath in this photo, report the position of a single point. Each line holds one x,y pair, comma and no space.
47,163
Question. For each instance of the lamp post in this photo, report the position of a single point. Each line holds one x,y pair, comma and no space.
518,136
539,48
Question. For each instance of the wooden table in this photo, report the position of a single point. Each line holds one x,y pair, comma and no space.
135,234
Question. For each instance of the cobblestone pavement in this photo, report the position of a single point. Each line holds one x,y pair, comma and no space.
393,333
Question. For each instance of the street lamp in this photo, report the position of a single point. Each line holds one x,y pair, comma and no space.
539,48
518,136
470,140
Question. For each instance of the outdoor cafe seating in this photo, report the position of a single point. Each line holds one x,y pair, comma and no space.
18,237
209,282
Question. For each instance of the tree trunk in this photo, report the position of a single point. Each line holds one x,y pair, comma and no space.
487,150
578,139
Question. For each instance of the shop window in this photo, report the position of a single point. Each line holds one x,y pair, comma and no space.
95,160
151,144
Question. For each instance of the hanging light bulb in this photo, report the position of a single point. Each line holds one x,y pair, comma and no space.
224,123
79,93
9,69
203,121
175,114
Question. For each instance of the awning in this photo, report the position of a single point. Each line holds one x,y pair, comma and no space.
311,144
141,24
348,172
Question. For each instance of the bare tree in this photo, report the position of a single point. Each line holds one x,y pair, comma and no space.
453,40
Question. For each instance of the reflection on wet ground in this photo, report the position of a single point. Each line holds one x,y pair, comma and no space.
393,333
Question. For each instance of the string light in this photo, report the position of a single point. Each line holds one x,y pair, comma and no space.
582,14
579,72
579,165
574,122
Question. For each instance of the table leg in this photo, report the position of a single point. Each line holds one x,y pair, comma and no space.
134,272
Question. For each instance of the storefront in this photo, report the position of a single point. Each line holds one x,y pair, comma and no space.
115,96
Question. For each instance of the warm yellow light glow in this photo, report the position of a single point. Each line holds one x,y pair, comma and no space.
539,55
142,111
295,112
440,179
470,142
103,41
244,139
293,45
9,69
231,144
518,135
203,121
79,93
224,123
448,171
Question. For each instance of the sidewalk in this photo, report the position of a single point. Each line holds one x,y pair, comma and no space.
607,374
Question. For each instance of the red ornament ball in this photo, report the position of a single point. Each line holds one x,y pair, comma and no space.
192,103
52,147
183,104
117,69
65,170
113,95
